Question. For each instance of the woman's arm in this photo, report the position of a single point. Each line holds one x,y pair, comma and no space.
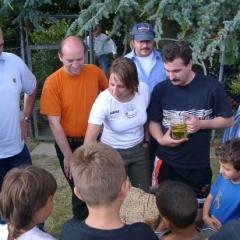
92,133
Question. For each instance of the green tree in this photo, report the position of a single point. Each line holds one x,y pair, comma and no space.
46,61
198,20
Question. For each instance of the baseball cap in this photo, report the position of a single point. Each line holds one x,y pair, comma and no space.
143,32
230,230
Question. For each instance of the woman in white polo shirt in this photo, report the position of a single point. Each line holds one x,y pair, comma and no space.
122,110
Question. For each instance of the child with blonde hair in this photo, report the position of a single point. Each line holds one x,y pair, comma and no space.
26,200
100,180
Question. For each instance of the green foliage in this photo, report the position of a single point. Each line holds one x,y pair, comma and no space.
198,20
9,32
53,34
235,85
34,11
45,62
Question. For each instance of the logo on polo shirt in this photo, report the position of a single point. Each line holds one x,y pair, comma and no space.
113,112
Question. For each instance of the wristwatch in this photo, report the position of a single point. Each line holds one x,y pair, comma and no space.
26,119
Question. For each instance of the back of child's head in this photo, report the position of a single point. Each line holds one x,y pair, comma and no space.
98,173
229,152
177,202
25,190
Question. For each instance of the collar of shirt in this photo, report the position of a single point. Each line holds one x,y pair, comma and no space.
2,59
156,54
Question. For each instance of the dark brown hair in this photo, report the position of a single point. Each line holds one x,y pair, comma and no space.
177,202
175,50
126,70
229,152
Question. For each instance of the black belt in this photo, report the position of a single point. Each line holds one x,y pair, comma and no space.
75,139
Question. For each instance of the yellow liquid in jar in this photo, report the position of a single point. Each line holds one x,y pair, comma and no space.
178,131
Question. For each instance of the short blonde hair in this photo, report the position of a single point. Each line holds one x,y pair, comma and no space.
98,173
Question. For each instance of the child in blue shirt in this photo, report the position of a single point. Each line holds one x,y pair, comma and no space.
223,201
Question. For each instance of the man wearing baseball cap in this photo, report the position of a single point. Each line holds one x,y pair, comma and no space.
148,61
149,66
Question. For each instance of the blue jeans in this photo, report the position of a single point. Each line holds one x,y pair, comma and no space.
103,63
6,164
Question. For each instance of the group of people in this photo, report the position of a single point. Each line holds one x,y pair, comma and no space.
101,182
129,111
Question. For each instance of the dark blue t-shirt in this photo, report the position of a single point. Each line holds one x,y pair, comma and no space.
203,97
76,230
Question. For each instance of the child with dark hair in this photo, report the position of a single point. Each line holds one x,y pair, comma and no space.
178,206
223,202
26,200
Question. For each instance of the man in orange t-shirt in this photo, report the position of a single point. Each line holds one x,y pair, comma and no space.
67,98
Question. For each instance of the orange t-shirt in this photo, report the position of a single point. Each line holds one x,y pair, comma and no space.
72,97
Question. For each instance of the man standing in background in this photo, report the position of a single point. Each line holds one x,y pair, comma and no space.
102,46
15,77
149,66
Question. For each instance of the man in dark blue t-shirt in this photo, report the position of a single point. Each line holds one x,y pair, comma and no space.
205,105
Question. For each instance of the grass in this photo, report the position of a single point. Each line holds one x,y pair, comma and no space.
214,162
62,199
215,168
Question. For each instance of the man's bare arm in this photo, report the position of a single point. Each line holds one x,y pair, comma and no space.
61,141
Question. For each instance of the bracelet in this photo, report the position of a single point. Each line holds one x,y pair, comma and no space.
26,119
145,141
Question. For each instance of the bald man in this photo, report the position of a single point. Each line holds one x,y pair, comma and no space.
67,98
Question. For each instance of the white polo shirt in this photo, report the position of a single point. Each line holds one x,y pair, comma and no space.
15,77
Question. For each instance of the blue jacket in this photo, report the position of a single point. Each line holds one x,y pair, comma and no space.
157,73
234,131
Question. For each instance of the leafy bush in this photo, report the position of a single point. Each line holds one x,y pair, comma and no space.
45,62
235,85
